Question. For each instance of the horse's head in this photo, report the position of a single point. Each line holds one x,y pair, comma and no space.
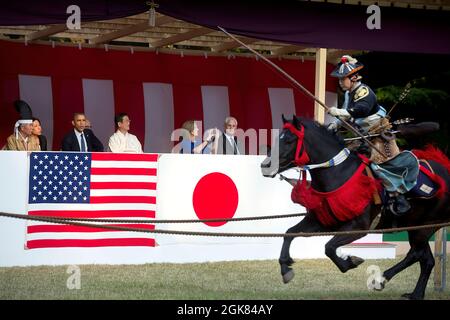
301,142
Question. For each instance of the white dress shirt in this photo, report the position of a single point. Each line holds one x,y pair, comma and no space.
78,135
127,142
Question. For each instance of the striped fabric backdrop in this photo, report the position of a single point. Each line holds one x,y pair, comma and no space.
158,91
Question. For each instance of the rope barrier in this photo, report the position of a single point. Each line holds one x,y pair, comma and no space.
225,234
154,221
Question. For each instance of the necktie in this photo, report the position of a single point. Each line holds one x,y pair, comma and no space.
83,143
234,144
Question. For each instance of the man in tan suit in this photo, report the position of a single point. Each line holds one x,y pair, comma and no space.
22,139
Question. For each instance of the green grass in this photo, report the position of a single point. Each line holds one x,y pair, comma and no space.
315,279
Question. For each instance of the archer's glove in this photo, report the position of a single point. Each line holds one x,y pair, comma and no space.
341,113
333,126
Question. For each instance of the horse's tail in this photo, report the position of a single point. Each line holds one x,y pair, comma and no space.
433,153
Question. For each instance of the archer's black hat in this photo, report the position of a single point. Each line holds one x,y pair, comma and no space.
347,67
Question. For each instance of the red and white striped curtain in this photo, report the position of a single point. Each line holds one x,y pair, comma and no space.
159,91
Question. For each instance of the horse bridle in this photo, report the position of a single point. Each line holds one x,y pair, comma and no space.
301,157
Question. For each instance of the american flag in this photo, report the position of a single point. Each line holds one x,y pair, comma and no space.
91,185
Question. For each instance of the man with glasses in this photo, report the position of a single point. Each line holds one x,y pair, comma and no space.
122,140
228,142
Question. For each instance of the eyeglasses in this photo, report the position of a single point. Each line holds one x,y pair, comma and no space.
231,126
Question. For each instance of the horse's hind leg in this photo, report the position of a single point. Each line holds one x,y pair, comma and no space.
412,257
425,257
420,251
426,266
308,224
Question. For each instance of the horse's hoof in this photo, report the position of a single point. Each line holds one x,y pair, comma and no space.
410,296
406,296
288,276
379,284
356,260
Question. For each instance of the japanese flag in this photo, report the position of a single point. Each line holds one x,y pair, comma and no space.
222,186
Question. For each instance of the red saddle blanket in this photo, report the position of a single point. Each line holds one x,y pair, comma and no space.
349,200
343,204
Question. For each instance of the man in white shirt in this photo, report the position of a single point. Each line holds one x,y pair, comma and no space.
122,141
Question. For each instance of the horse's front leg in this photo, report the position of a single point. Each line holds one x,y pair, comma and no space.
343,263
349,262
308,224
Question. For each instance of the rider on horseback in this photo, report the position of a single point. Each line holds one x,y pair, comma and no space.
360,104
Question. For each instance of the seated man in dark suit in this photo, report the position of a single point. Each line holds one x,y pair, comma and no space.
228,142
80,138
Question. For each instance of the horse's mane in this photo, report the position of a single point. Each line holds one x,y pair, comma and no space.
320,129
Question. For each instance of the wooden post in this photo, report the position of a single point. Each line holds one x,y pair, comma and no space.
321,74
440,255
444,259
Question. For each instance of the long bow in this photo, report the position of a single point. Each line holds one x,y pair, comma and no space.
301,88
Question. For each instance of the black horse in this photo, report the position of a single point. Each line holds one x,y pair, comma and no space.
321,145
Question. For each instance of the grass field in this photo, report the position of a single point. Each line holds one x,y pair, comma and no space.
315,279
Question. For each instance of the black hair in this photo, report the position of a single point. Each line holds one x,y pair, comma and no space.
78,114
36,119
119,117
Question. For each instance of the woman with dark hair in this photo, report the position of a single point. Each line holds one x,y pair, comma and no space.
37,131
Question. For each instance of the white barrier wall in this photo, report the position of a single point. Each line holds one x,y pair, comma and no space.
178,176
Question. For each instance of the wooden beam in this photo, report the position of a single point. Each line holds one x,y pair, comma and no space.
334,56
419,4
180,37
46,32
321,72
227,45
129,30
286,49
440,253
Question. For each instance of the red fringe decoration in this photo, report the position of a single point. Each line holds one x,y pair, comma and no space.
432,153
442,186
345,203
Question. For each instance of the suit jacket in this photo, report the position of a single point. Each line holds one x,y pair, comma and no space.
224,146
43,142
70,142
18,144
